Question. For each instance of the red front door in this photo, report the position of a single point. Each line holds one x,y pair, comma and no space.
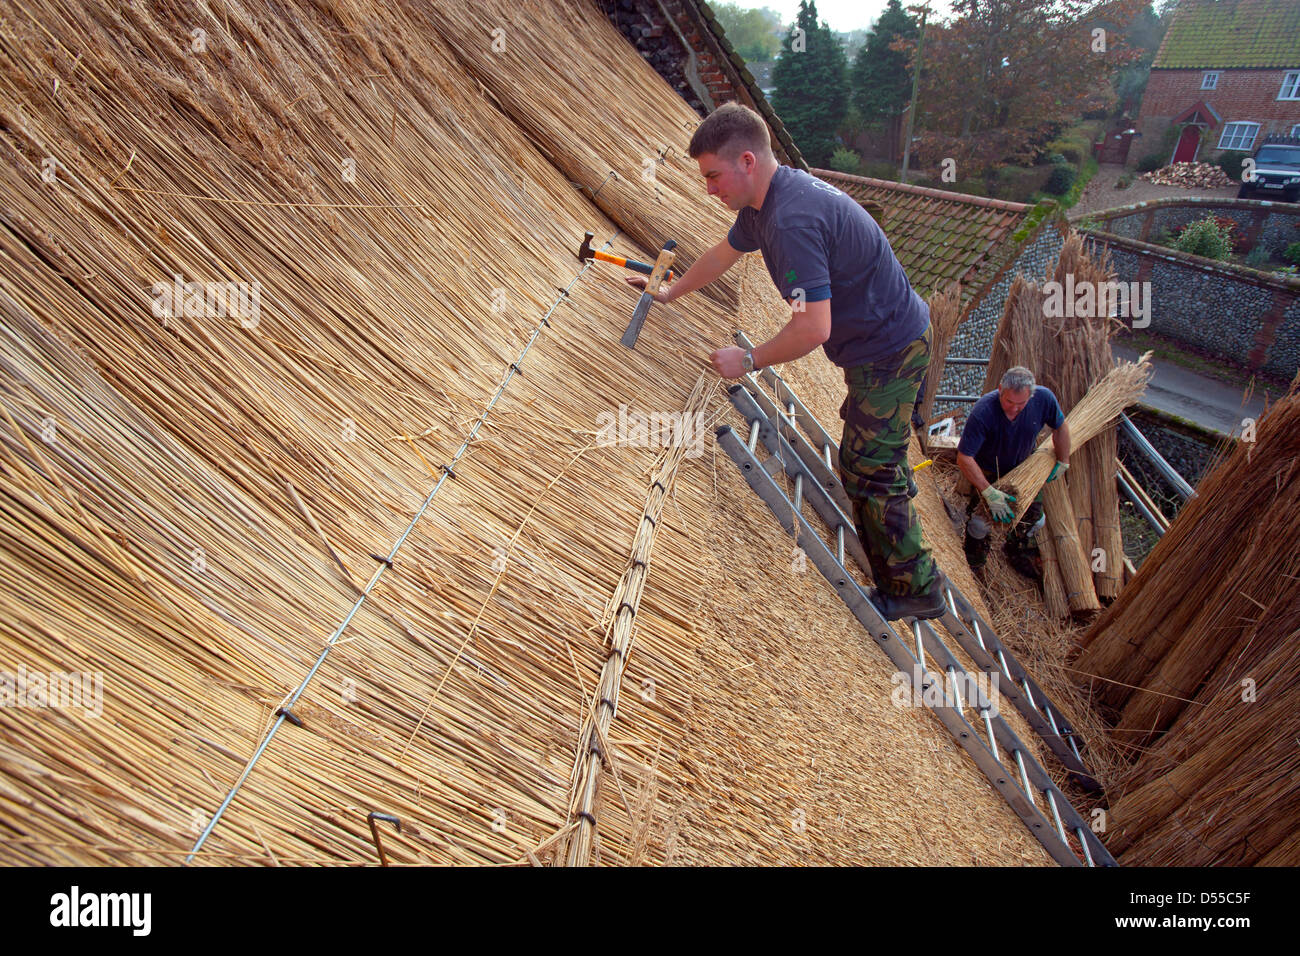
1187,143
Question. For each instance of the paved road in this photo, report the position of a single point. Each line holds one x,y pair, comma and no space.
1190,395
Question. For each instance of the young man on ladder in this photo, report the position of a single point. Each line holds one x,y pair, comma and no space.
849,295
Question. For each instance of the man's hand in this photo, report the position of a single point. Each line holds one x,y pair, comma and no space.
640,282
1058,469
999,504
729,362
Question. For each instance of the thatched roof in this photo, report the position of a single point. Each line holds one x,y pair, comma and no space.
192,506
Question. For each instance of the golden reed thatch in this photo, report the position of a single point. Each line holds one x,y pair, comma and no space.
1197,664
193,498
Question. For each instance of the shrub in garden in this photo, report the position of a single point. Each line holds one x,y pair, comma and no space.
1205,237
845,161
1061,180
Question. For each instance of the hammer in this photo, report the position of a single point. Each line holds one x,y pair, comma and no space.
661,267
585,252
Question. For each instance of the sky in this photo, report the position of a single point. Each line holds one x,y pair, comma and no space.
844,15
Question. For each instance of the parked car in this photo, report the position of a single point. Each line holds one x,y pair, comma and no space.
1277,170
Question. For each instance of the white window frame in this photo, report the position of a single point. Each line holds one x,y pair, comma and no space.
1224,138
1290,79
1210,81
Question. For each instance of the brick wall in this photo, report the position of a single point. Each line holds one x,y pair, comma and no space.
1273,225
676,38
1239,316
668,33
1242,96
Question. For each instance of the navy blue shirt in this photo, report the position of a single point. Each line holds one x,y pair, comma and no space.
816,238
998,445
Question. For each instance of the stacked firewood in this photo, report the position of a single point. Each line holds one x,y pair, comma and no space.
1190,176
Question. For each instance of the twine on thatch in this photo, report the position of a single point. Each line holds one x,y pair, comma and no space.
594,751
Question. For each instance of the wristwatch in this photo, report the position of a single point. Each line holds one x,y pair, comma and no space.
748,361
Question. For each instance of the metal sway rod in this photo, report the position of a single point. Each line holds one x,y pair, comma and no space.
385,564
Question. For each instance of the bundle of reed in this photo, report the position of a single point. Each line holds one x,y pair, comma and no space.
1076,575
945,317
1083,357
1191,781
1005,340
1055,601
1104,464
1189,605
594,750
1103,402
1071,384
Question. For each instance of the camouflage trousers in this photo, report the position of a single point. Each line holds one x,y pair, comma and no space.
873,466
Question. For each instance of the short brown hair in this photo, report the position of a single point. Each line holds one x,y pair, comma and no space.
730,130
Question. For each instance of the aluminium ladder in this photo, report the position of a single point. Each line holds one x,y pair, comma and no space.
1066,835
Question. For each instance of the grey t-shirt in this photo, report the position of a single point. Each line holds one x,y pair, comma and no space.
816,238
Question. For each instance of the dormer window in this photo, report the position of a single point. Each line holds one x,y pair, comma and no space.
1209,81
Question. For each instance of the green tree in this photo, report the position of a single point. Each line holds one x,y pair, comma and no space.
882,75
811,80
755,33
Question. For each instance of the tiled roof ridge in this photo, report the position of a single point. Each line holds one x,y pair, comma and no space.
925,191
733,64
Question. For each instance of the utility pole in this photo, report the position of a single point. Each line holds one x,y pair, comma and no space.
911,110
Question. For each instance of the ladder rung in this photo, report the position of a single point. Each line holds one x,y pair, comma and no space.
1019,798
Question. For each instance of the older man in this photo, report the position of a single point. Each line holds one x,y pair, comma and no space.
1001,431
850,296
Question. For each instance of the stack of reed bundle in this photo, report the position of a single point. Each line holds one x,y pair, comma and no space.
1066,583
945,317
1190,605
1028,341
1222,787
1083,357
1197,663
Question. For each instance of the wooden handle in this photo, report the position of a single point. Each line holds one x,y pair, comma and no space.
662,264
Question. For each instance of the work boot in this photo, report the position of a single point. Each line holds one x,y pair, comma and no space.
929,604
1023,557
977,542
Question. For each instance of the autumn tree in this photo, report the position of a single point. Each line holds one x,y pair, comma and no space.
1006,75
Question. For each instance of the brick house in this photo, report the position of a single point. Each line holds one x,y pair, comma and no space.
1226,75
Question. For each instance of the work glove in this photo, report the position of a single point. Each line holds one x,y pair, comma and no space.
1058,469
999,503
